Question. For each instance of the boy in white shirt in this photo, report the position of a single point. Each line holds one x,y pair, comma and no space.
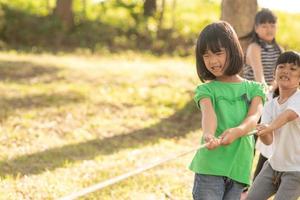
280,125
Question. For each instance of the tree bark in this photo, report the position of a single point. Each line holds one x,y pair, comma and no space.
161,17
240,14
48,6
174,13
63,11
84,3
149,7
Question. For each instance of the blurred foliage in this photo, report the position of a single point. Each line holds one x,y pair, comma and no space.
117,25
288,29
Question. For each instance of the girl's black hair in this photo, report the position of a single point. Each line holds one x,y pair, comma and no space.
263,16
287,57
214,37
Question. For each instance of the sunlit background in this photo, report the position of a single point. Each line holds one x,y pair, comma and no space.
292,6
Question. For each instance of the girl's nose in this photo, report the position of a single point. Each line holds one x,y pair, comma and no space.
285,71
213,59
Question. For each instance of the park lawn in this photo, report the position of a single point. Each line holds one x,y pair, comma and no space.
70,121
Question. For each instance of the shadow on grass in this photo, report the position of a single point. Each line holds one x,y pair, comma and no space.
24,72
10,105
178,125
27,72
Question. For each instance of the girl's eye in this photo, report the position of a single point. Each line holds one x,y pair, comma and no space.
205,56
219,53
280,66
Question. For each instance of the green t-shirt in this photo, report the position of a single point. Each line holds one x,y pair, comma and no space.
231,102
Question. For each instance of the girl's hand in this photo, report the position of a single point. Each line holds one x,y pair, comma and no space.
212,141
229,135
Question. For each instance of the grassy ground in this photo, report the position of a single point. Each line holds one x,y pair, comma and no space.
68,122
71,121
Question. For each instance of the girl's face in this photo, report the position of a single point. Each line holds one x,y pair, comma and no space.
266,31
215,62
287,75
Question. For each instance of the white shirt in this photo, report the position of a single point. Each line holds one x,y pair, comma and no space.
265,150
286,140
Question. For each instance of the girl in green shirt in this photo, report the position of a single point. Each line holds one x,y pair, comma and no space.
231,107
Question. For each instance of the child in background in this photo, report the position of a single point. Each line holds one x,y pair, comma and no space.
261,57
231,107
280,124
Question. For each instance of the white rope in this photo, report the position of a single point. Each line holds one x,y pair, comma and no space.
114,180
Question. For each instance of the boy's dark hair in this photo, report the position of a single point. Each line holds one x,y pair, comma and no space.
265,15
214,37
292,57
287,57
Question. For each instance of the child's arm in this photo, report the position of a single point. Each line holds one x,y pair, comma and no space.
265,131
249,123
209,123
254,60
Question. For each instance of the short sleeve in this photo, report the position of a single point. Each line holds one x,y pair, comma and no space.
202,91
266,117
294,103
258,89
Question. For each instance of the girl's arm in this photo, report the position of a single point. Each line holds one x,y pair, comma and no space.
253,58
249,123
209,123
265,131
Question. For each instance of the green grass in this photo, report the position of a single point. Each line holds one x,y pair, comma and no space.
70,121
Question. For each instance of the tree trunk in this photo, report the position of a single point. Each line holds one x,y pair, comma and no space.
240,14
173,13
161,17
149,7
63,11
84,3
48,6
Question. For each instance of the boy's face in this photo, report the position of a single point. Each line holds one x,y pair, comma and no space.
266,31
287,75
215,62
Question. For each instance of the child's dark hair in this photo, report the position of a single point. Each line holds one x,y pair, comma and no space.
287,57
263,16
214,37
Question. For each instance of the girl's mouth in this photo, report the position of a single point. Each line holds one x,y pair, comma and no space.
284,78
216,68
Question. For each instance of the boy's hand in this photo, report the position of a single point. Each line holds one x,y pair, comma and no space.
263,129
212,141
265,133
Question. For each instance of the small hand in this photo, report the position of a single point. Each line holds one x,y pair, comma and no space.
228,136
212,141
263,129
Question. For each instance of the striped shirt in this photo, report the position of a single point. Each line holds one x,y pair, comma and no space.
269,55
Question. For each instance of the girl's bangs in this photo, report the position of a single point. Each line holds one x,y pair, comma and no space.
214,46
289,58
213,42
267,18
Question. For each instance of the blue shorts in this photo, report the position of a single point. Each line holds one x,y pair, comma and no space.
207,187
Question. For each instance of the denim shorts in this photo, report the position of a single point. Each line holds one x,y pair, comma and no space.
285,185
209,187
